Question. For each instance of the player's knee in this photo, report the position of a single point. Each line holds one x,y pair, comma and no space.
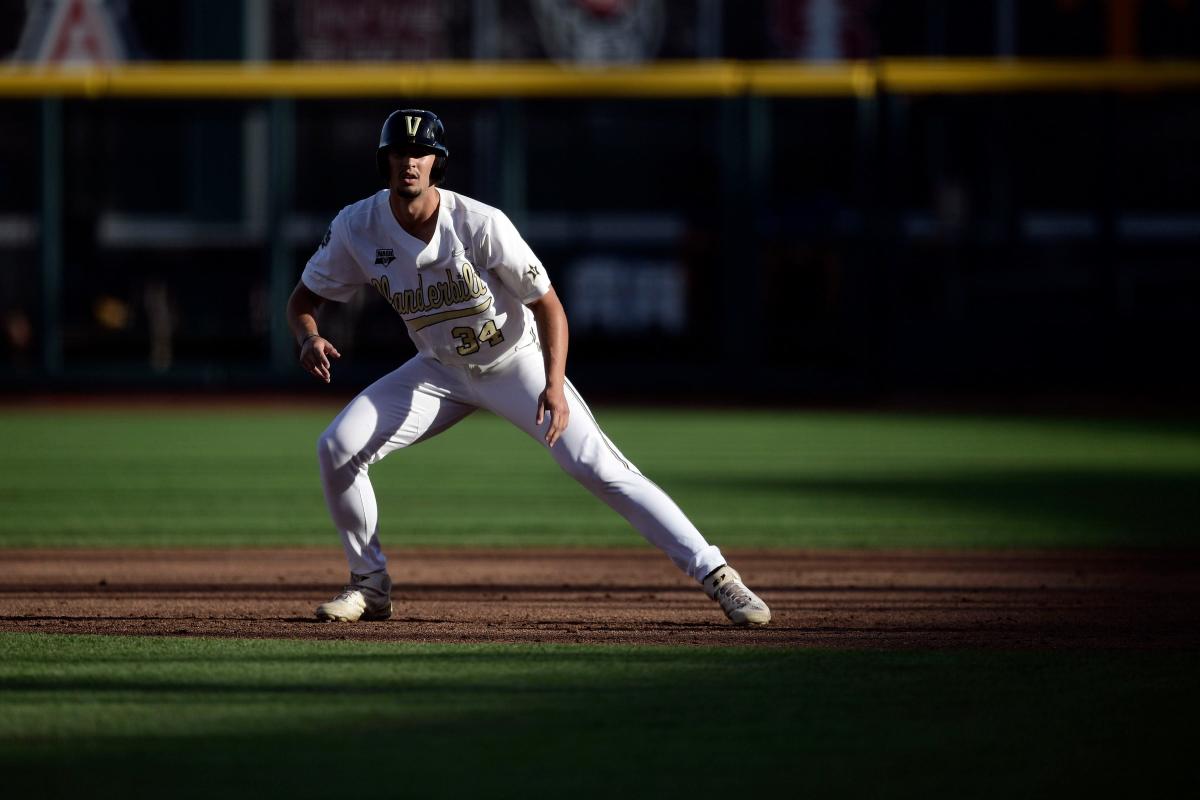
333,450
594,473
594,462
608,487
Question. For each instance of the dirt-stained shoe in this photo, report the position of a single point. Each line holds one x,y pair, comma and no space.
741,605
365,597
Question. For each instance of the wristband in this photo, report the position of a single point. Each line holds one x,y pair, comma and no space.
304,341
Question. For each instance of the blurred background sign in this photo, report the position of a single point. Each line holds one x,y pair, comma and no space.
622,296
600,31
72,32
370,29
833,199
820,30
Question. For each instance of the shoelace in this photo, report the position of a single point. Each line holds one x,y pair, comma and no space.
347,591
739,594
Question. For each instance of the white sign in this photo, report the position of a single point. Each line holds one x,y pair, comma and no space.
619,295
600,31
75,32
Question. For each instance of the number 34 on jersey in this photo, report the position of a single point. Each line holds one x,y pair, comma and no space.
469,340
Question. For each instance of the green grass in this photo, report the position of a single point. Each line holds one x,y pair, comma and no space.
150,717
769,479
130,717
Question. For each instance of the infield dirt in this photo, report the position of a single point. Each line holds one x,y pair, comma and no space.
833,599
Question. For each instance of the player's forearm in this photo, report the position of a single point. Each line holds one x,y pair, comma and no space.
552,330
301,313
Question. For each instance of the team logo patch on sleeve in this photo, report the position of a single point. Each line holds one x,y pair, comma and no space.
384,256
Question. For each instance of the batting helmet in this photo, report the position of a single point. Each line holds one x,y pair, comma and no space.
414,127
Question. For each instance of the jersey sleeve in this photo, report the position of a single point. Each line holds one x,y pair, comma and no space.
332,271
508,256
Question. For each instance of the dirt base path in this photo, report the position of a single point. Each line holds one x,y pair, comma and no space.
835,599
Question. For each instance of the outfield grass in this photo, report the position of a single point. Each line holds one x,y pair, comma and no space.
222,477
129,717
134,717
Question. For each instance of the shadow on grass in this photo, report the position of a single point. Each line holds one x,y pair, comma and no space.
800,724
1099,507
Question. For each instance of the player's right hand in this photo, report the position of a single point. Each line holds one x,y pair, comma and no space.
315,354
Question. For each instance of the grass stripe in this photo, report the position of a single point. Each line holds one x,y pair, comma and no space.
227,477
130,716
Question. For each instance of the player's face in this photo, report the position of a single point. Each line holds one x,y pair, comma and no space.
410,170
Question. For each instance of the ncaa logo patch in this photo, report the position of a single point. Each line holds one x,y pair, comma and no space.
384,256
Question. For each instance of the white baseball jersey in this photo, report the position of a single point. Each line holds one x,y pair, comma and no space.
462,295
463,298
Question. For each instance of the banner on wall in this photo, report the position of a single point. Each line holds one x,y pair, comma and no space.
820,30
370,30
600,31
74,32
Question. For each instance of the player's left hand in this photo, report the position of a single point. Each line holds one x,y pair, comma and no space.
553,400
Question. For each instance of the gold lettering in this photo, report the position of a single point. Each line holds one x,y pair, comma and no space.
457,295
421,306
454,290
417,323
473,283
384,287
413,124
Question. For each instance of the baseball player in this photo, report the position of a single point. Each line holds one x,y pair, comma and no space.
490,333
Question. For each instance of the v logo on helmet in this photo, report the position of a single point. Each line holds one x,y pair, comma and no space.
413,124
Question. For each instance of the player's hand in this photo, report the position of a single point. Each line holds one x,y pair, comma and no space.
553,400
315,354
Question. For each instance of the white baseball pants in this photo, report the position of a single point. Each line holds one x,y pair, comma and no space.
425,397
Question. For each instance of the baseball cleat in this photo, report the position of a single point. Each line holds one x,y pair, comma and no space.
366,597
741,605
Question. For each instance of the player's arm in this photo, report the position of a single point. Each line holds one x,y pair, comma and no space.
315,350
552,330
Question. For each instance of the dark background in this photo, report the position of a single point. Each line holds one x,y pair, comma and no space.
1013,246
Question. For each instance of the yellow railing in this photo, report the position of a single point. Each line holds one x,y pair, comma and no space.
459,79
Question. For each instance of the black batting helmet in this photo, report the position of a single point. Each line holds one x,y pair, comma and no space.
414,127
